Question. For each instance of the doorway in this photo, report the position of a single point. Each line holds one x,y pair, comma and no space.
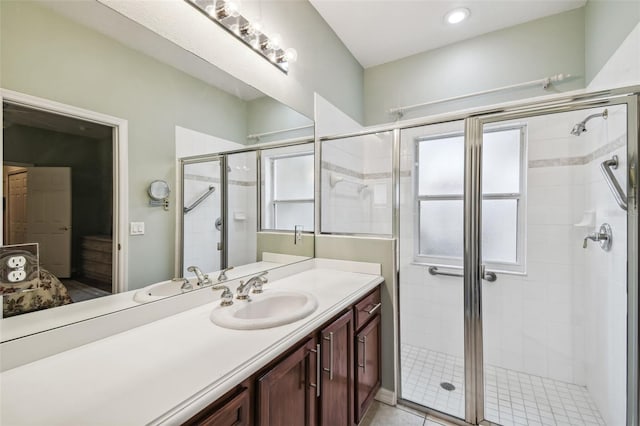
517,303
58,191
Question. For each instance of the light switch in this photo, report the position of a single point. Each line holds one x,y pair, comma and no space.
136,228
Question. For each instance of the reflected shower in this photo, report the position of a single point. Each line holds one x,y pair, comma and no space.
580,127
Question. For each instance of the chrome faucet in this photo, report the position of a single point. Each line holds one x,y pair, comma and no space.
603,236
223,274
203,279
226,298
186,285
256,282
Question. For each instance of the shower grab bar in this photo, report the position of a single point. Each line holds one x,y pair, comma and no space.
614,186
488,275
196,203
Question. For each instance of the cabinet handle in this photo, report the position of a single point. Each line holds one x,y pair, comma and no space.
330,369
363,340
375,308
318,373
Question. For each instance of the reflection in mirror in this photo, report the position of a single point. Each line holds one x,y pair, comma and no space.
220,214
172,103
287,188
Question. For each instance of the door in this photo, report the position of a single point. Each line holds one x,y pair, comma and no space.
17,207
518,266
432,356
337,367
49,216
368,366
287,393
549,207
202,214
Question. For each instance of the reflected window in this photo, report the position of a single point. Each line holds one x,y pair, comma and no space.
439,201
288,188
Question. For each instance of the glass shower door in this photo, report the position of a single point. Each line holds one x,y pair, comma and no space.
202,218
431,284
554,322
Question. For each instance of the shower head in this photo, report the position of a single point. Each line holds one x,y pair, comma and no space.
579,128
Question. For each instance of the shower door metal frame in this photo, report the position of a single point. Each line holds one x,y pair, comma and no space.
474,269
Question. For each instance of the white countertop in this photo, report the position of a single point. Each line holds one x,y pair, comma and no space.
36,322
168,370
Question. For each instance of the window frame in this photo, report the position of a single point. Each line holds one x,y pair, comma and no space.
517,267
273,202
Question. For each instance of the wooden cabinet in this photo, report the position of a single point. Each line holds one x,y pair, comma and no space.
286,394
336,396
368,366
328,379
233,409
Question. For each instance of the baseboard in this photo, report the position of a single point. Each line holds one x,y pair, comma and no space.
386,396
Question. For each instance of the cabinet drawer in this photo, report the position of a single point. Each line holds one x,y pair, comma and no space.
234,412
367,308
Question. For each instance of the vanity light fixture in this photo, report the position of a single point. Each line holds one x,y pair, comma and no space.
225,13
456,16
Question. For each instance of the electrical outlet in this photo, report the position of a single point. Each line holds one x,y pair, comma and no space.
17,276
16,262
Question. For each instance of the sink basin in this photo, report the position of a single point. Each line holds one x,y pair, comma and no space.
160,291
272,308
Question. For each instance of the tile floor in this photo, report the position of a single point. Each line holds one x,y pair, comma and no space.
80,292
512,397
380,414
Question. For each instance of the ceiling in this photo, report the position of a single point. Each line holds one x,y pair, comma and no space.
380,31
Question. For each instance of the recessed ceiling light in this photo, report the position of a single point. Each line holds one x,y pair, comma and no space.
457,15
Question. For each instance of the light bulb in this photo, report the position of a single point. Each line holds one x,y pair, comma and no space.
232,7
457,15
275,41
257,25
291,55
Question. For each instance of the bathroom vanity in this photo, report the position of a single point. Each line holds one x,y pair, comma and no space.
330,377
322,369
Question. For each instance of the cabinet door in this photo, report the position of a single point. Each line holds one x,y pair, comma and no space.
367,369
337,372
287,393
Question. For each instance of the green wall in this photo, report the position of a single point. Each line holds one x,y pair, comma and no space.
530,51
607,24
46,55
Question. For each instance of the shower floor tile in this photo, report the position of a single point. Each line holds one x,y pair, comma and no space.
511,397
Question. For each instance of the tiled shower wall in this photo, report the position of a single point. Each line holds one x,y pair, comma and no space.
605,302
361,203
242,209
564,319
200,235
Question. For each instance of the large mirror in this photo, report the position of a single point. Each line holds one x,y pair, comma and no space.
95,109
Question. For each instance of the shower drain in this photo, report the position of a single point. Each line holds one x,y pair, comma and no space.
447,386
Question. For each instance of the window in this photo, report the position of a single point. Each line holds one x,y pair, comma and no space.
439,201
288,189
